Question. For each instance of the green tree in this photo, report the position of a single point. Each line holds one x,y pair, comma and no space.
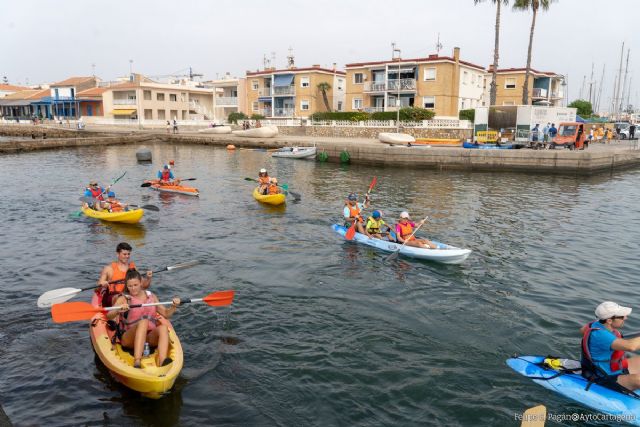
584,107
323,87
534,6
235,116
496,48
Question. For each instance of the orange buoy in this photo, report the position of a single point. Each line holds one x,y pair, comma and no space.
231,147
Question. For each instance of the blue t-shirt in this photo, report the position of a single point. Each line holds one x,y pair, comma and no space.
600,347
170,175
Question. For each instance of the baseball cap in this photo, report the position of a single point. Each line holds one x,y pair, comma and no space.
609,309
352,196
111,194
404,214
375,214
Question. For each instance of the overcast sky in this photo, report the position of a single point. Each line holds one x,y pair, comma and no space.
47,41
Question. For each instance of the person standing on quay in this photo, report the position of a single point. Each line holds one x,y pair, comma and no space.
632,131
175,125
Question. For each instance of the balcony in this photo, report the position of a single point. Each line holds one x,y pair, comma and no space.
373,109
227,101
375,86
539,93
402,84
124,101
264,91
283,112
284,90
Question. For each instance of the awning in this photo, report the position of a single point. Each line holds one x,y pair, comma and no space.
393,69
123,112
264,99
283,80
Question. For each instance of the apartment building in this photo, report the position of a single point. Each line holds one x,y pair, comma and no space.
20,105
145,100
545,88
443,84
229,96
294,92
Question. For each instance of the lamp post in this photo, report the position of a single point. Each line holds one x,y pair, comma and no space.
565,88
395,50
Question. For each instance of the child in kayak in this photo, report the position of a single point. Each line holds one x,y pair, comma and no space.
374,226
273,187
263,181
113,205
352,212
139,323
405,227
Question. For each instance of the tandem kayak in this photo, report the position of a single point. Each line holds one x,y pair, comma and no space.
445,254
270,199
178,189
151,380
624,407
127,217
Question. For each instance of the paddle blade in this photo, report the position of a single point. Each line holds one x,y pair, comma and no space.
182,265
250,179
73,311
373,183
57,296
392,256
146,184
296,196
534,417
351,232
219,299
151,208
188,179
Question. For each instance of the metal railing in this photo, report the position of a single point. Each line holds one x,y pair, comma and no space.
264,91
402,84
373,109
539,93
117,101
226,100
425,124
283,112
375,86
284,90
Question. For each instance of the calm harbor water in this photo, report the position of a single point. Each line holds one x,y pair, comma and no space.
322,332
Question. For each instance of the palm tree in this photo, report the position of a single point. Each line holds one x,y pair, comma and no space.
534,5
324,87
496,48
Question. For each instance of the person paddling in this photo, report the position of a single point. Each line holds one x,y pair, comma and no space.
97,193
166,177
113,205
140,323
263,181
352,212
603,349
404,229
374,226
116,271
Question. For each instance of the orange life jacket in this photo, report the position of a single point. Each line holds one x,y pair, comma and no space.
406,230
115,206
263,180
354,212
118,276
273,189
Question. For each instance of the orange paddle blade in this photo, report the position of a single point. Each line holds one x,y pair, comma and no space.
351,232
373,183
220,298
73,311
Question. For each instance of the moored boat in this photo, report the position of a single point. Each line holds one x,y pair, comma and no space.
487,146
216,130
295,152
151,380
270,199
261,132
396,138
126,217
444,253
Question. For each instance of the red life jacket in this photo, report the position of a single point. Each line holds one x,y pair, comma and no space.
166,175
617,361
96,193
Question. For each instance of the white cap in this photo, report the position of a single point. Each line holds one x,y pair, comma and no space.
263,170
404,214
608,309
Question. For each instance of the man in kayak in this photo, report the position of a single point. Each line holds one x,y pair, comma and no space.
263,181
97,193
404,229
166,177
603,349
374,226
113,205
115,272
273,187
352,212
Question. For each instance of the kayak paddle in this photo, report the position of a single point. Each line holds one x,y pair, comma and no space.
296,196
149,184
57,296
534,417
351,232
78,310
394,255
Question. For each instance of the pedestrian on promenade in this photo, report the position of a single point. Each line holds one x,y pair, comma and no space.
545,134
632,131
175,125
168,126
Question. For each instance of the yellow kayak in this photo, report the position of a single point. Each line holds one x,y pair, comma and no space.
128,217
270,199
151,380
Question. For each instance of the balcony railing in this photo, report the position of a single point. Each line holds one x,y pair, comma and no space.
227,100
402,84
266,91
375,87
283,112
539,93
373,109
124,101
284,90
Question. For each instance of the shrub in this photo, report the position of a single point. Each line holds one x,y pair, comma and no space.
354,116
412,114
257,117
467,115
234,117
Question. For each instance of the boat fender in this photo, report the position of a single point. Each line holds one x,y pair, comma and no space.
345,157
323,156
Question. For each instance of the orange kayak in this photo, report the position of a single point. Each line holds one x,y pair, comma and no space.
179,189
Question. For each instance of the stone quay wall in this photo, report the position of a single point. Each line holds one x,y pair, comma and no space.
7,147
372,132
51,131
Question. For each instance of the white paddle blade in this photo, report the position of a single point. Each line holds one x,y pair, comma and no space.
57,296
183,265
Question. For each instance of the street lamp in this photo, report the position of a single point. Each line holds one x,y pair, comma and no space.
398,57
565,88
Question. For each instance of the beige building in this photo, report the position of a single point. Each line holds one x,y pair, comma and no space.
294,92
145,100
443,84
545,88
229,96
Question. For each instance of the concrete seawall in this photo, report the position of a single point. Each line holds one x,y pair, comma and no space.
49,144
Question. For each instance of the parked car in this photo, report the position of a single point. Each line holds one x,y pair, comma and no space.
570,135
622,129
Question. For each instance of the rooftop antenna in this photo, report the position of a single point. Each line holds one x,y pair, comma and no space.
265,62
290,58
192,74
93,69
438,45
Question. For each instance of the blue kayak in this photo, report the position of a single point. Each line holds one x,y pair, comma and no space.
487,146
624,407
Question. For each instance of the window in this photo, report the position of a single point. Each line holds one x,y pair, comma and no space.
173,114
161,115
254,106
339,105
254,84
357,103
159,96
340,84
147,95
304,82
465,77
184,114
147,114
473,78
429,102
183,97
304,105
173,97
358,78
510,83
429,74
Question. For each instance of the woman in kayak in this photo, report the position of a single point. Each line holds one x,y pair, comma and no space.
166,177
404,229
139,323
603,349
352,212
263,181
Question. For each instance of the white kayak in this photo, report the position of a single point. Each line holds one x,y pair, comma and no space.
295,152
395,138
217,129
261,132
444,253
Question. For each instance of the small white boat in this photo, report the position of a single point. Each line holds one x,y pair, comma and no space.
296,152
444,253
216,129
261,132
395,138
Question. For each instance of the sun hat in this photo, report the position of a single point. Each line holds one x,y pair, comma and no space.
609,309
404,214
111,194
375,214
352,196
263,170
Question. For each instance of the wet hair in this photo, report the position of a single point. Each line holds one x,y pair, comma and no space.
132,274
124,246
